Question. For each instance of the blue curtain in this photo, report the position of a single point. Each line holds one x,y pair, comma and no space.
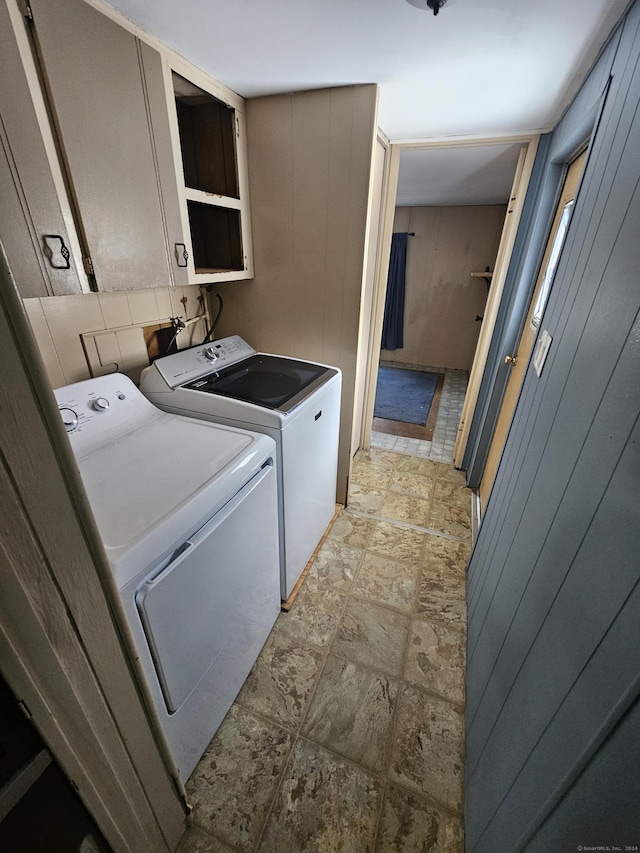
392,327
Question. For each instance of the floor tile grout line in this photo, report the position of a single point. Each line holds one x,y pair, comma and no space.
274,799
402,689
297,734
401,680
379,816
420,795
411,616
384,775
407,683
406,524
381,778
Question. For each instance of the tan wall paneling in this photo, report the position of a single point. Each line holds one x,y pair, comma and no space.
58,322
442,299
310,156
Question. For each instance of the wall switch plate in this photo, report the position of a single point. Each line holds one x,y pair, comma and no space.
541,351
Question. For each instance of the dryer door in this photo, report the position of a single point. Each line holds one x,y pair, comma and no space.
220,588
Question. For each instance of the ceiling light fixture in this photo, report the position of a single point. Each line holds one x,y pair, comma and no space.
434,5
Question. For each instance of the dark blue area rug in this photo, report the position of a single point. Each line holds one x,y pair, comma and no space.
404,395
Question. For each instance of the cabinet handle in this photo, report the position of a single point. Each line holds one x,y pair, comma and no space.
184,254
63,251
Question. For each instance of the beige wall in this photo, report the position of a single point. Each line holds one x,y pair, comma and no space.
442,299
310,157
59,321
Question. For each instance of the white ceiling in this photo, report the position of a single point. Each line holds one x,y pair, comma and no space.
478,68
475,174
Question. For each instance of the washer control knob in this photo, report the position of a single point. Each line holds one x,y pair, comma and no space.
100,404
69,419
210,353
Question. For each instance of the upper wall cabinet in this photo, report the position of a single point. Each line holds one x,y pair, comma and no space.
36,221
92,69
207,124
154,177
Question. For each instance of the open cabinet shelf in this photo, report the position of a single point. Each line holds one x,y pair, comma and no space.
212,152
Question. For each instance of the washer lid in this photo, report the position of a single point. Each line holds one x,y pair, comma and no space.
272,381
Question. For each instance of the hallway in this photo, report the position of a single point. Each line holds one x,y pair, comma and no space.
348,734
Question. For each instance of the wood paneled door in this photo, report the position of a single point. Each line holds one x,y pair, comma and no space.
519,360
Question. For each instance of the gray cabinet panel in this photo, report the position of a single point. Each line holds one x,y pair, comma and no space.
92,67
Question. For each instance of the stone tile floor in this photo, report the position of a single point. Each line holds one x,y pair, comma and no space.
348,735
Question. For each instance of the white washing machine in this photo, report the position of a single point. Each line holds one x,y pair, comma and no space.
188,514
295,402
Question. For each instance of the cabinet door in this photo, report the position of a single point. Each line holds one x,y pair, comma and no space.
36,223
157,77
92,68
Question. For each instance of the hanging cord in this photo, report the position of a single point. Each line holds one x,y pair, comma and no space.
207,337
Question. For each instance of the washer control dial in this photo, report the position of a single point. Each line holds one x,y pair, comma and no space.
100,404
69,419
211,354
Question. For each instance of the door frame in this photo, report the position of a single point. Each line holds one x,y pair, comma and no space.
390,191
369,308
555,150
573,172
515,206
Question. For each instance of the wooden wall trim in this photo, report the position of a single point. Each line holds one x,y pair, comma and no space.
514,212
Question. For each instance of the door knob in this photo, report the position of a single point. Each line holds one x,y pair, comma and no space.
511,359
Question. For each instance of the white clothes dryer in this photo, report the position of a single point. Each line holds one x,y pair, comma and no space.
295,402
187,511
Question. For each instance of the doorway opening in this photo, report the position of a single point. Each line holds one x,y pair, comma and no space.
454,197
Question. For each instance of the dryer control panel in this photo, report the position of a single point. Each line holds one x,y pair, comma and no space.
100,410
